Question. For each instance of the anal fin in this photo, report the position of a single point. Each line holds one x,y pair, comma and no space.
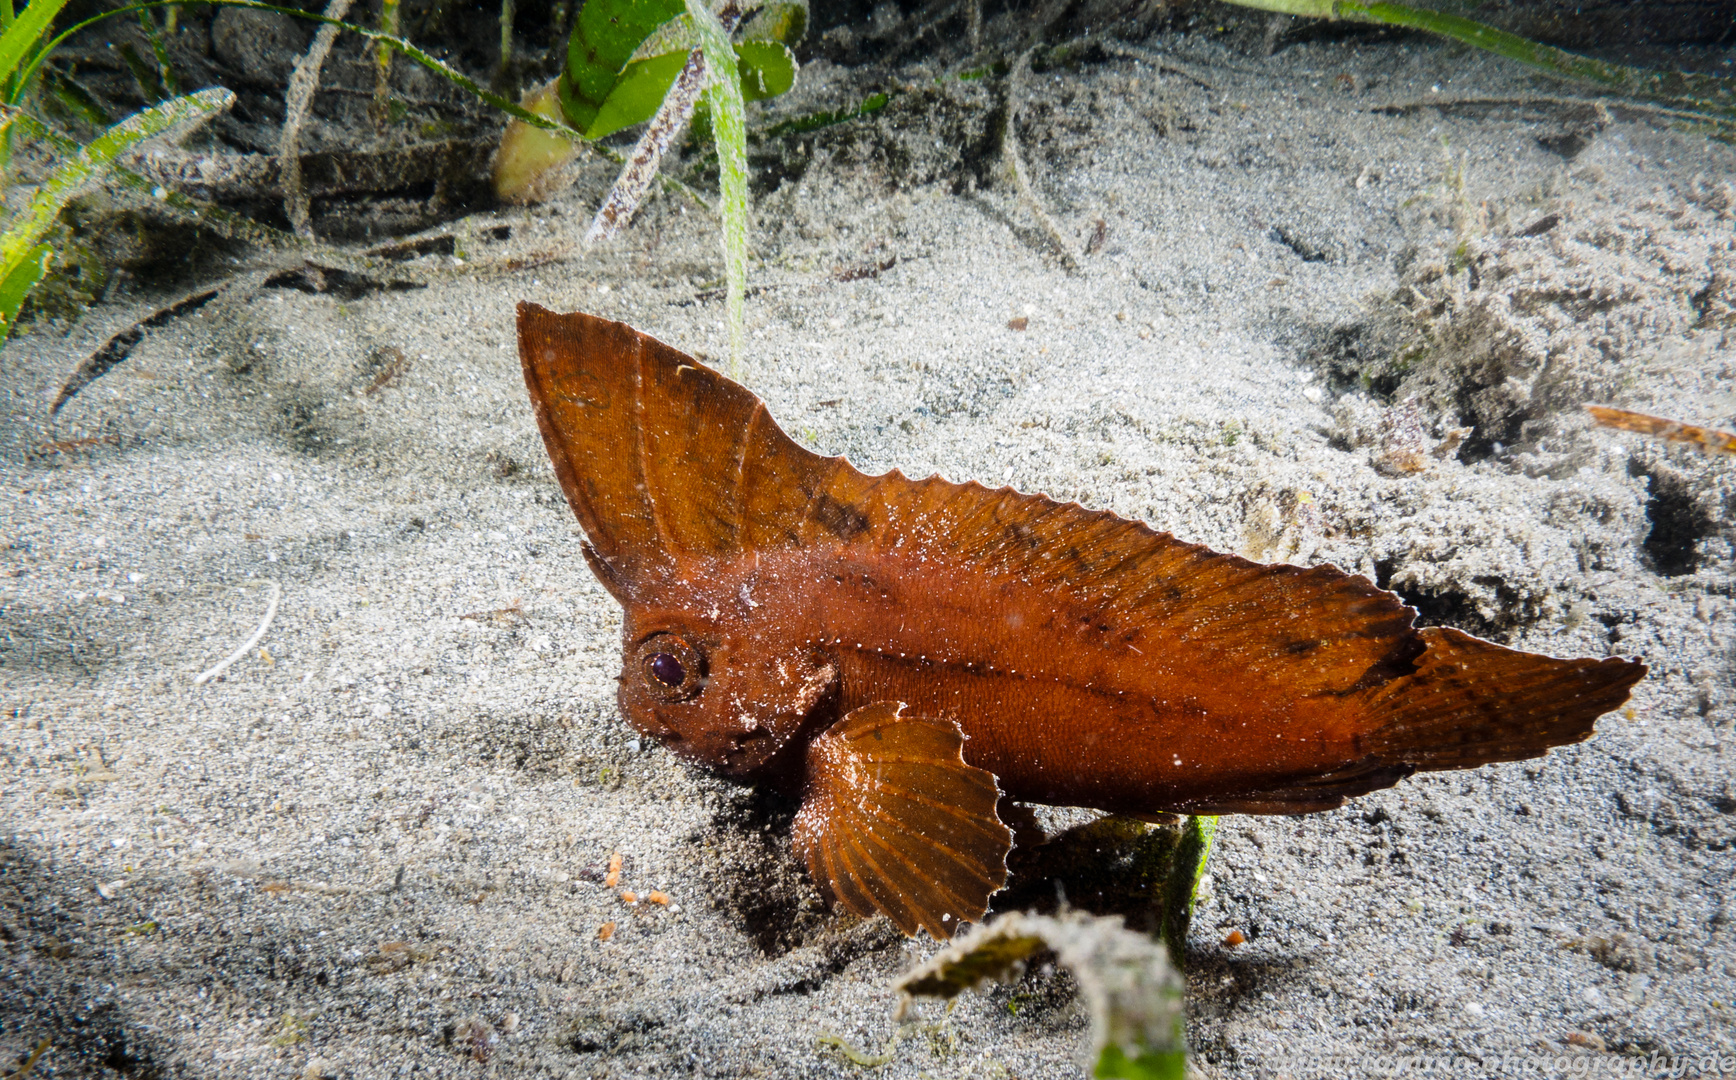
894,820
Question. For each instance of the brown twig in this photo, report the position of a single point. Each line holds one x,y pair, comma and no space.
74,446
1707,440
515,610
297,99
1015,162
502,69
35,1056
395,363
120,346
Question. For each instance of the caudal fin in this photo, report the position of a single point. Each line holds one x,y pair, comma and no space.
1458,703
1471,702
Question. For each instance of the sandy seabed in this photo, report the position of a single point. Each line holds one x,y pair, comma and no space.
375,846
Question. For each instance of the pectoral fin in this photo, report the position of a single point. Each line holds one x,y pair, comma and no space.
894,820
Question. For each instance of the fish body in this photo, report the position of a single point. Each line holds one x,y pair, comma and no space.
906,652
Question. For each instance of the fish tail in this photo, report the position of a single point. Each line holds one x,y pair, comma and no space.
1469,702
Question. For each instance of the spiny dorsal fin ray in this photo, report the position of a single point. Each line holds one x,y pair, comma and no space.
625,418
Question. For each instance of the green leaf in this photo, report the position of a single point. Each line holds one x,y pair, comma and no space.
605,36
635,91
1167,1065
676,35
78,101
18,283
729,129
24,32
1692,91
1187,866
783,21
165,69
825,119
25,231
636,95
144,75
768,68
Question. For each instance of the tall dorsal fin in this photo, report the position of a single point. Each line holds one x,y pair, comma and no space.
660,456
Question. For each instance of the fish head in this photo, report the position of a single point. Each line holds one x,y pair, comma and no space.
729,697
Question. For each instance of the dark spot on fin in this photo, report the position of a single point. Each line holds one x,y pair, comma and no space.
842,520
1396,664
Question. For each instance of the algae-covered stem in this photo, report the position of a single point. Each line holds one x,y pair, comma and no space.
642,164
729,130
381,109
502,68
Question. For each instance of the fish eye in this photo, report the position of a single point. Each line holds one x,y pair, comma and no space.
671,668
666,668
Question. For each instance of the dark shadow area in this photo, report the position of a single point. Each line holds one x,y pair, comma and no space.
754,875
60,977
1111,866
1450,607
1678,520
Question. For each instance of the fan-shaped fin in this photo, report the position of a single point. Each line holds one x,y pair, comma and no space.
893,820
661,457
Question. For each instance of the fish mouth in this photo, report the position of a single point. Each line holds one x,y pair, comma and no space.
780,749
755,744
777,747
746,752
734,754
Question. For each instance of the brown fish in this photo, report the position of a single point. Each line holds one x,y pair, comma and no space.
910,651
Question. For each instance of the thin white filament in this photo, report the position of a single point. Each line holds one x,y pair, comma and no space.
264,624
